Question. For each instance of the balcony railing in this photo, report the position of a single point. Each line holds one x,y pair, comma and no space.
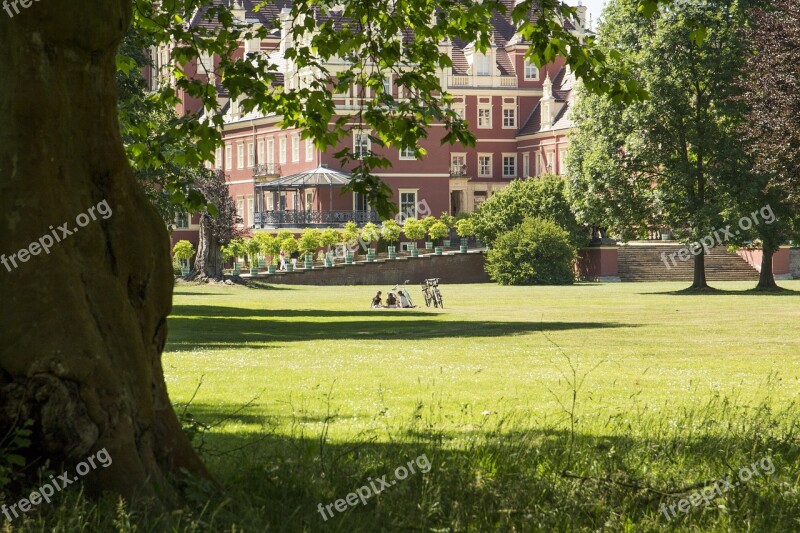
458,171
266,170
312,218
482,81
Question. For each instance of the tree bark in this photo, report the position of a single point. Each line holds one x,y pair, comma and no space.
766,279
208,263
84,325
699,281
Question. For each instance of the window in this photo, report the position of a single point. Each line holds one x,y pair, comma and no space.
228,157
485,166
260,151
218,158
181,220
361,144
309,200
240,155
509,118
296,147
387,85
251,212
460,111
458,165
482,62
282,150
531,71
509,166
240,210
562,162
484,117
270,151
408,203
537,158
309,149
526,165
407,153
251,155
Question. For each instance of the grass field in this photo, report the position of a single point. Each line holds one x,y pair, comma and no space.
583,408
309,392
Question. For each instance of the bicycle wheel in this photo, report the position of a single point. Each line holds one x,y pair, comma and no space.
427,298
437,298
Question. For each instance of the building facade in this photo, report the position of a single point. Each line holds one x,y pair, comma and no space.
519,114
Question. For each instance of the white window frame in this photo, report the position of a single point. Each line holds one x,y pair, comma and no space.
387,85
537,160
218,158
483,65
562,161
407,154
513,117
484,125
413,211
531,68
360,149
228,156
240,210
270,151
182,220
260,151
240,155
282,150
251,210
481,173
526,164
461,111
507,174
295,147
251,155
458,159
309,149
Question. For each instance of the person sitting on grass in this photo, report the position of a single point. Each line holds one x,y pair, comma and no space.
376,302
403,300
391,301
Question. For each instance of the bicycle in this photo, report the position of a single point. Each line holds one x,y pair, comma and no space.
430,289
401,290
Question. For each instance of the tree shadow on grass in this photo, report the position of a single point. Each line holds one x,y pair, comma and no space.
487,479
712,291
232,333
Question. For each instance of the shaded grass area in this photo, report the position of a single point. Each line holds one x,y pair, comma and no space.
540,409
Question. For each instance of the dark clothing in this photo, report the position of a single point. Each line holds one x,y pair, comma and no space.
295,255
391,300
376,302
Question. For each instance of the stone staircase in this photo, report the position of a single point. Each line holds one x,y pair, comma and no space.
643,262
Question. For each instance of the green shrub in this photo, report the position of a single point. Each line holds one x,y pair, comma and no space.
370,233
309,240
544,197
390,230
413,229
464,227
537,252
438,230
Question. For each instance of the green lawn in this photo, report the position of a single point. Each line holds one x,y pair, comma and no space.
595,407
308,393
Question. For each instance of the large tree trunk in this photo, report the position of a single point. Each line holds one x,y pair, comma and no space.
84,325
208,263
766,279
699,280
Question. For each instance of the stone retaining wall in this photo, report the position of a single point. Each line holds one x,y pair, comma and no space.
451,268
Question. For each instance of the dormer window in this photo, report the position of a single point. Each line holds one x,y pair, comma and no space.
482,62
531,71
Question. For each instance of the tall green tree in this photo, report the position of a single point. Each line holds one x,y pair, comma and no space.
772,130
674,158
